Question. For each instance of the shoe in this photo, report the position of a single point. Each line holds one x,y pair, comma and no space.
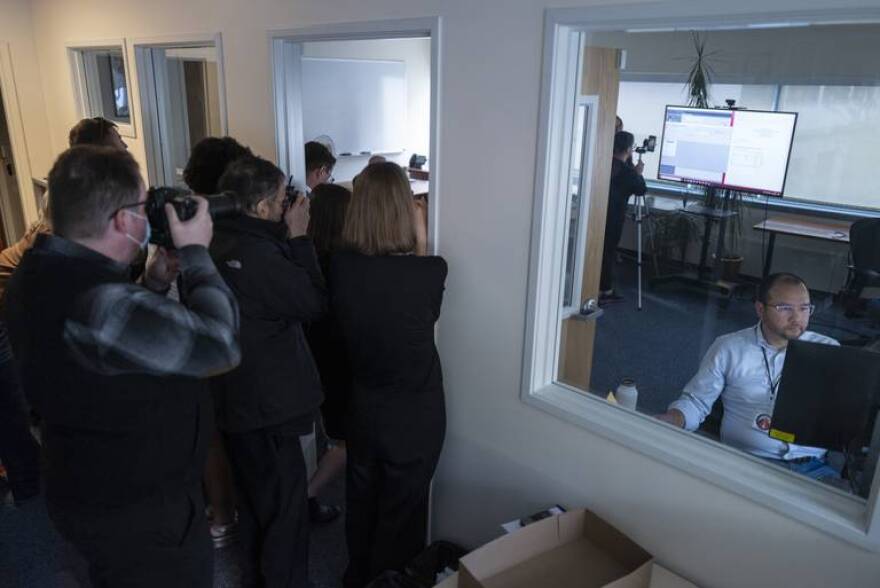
223,535
322,513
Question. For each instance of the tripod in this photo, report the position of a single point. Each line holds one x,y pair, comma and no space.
641,205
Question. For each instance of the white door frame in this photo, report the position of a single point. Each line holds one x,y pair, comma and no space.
81,77
285,50
148,97
28,206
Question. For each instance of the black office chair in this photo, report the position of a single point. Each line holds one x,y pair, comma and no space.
864,268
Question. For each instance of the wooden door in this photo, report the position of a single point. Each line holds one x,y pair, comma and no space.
600,79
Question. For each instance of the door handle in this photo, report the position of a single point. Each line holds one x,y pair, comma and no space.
589,311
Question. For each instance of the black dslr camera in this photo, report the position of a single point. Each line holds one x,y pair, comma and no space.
219,205
649,144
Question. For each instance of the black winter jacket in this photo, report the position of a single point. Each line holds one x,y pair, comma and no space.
279,286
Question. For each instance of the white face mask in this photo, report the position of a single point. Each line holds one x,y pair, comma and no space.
147,231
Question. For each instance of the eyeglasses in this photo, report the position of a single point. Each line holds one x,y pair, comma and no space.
790,309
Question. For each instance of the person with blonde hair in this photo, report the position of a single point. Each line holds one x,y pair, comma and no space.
385,293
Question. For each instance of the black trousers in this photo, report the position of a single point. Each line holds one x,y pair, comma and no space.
387,505
18,448
166,545
270,476
613,230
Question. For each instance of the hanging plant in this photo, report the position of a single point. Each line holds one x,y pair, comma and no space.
700,76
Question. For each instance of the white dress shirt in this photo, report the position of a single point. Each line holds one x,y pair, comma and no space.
734,369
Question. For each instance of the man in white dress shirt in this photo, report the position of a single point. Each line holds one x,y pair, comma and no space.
744,369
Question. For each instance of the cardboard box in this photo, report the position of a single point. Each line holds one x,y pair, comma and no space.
660,578
573,550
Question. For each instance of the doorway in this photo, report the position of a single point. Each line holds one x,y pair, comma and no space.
12,222
182,102
362,90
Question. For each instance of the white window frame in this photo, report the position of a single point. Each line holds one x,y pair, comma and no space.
830,510
148,97
285,51
80,80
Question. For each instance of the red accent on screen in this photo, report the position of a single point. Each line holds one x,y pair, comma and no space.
732,117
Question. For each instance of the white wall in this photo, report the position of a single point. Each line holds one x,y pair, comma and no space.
416,53
502,459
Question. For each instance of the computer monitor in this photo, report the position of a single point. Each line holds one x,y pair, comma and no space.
743,150
828,396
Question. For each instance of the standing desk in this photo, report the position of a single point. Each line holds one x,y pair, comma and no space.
836,231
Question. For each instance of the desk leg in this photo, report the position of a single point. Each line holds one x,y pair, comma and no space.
719,249
704,251
768,260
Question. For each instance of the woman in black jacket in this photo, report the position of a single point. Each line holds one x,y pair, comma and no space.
386,294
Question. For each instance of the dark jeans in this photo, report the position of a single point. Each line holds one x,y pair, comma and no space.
142,546
270,477
18,448
386,514
613,230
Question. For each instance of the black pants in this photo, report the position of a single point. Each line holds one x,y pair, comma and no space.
18,448
166,545
270,476
613,230
386,513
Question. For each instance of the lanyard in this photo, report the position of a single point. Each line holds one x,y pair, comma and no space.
773,385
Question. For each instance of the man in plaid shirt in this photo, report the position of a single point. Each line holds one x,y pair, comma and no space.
116,371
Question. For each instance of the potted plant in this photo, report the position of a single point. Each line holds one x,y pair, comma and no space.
673,233
700,76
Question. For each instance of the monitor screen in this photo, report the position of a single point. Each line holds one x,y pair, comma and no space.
746,150
828,395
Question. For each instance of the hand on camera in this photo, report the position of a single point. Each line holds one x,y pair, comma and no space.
162,269
297,217
196,231
640,167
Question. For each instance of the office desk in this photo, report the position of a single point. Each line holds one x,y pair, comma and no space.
837,231
419,187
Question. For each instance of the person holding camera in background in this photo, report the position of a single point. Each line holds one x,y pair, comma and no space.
626,180
115,370
265,405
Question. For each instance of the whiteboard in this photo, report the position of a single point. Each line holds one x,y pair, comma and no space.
359,103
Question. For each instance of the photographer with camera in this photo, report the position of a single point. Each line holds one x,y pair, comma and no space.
265,405
626,180
114,369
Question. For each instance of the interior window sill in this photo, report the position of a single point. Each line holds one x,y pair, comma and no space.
808,501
